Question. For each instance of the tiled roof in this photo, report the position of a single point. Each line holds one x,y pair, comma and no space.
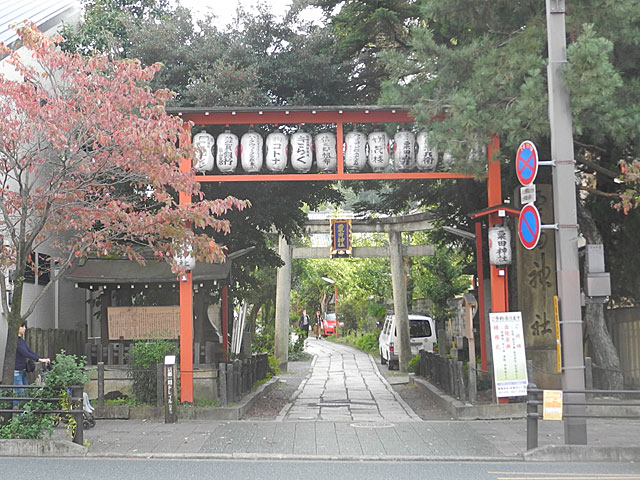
45,14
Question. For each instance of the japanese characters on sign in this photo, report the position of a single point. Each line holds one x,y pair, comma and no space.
552,405
340,238
499,246
509,359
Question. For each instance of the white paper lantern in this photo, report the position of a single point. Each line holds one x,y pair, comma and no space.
184,259
499,245
227,154
404,151
426,158
477,153
203,144
326,153
301,152
355,151
251,156
277,146
378,143
447,161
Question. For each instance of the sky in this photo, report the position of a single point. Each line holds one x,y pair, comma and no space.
225,9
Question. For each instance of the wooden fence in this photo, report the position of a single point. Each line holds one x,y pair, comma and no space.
47,342
452,377
117,353
235,379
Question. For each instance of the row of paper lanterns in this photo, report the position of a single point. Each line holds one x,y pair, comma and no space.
404,152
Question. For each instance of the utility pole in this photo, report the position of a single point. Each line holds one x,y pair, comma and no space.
566,218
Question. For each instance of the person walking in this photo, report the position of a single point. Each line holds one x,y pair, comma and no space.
24,353
317,325
304,323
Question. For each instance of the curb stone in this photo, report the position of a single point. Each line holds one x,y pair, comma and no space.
20,447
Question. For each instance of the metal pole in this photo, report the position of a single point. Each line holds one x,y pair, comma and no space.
565,210
283,291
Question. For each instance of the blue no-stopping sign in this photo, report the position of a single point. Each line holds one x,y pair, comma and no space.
529,226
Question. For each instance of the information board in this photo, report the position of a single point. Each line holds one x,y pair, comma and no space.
509,359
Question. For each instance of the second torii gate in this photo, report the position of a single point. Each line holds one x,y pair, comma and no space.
335,115
393,226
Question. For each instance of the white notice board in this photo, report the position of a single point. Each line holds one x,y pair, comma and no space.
509,359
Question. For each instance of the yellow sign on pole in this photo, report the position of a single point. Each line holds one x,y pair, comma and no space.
552,405
558,344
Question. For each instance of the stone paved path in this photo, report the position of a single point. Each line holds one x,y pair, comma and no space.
345,385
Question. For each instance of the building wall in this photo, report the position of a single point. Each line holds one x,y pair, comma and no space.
48,15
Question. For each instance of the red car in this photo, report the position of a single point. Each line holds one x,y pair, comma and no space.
329,324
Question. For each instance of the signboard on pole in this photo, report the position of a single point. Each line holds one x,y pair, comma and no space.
509,359
529,226
528,194
527,162
340,238
552,405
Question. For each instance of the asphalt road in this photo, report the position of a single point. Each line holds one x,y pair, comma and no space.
102,468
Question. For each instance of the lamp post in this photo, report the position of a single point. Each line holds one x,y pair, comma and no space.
335,299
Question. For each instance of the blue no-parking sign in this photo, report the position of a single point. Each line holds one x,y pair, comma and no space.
529,226
527,162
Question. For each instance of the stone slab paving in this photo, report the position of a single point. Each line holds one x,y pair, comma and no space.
345,385
476,439
344,409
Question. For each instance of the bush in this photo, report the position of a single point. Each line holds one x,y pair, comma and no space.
66,371
414,365
368,343
28,425
143,359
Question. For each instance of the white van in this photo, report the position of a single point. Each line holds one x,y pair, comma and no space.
422,336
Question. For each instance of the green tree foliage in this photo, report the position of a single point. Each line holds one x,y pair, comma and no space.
441,280
107,24
144,356
479,68
361,30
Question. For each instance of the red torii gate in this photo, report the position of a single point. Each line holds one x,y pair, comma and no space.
338,115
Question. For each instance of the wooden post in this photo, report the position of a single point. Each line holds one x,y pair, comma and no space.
170,382
159,385
101,384
222,386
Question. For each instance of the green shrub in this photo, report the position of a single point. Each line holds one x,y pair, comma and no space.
414,365
66,371
274,368
144,357
29,425
368,343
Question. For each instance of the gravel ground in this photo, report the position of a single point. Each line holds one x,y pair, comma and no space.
269,405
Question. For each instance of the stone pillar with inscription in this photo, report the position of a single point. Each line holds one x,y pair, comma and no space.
536,288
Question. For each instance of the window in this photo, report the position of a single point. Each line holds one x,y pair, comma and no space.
419,328
29,272
44,269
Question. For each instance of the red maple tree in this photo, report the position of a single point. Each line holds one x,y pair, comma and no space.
90,166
